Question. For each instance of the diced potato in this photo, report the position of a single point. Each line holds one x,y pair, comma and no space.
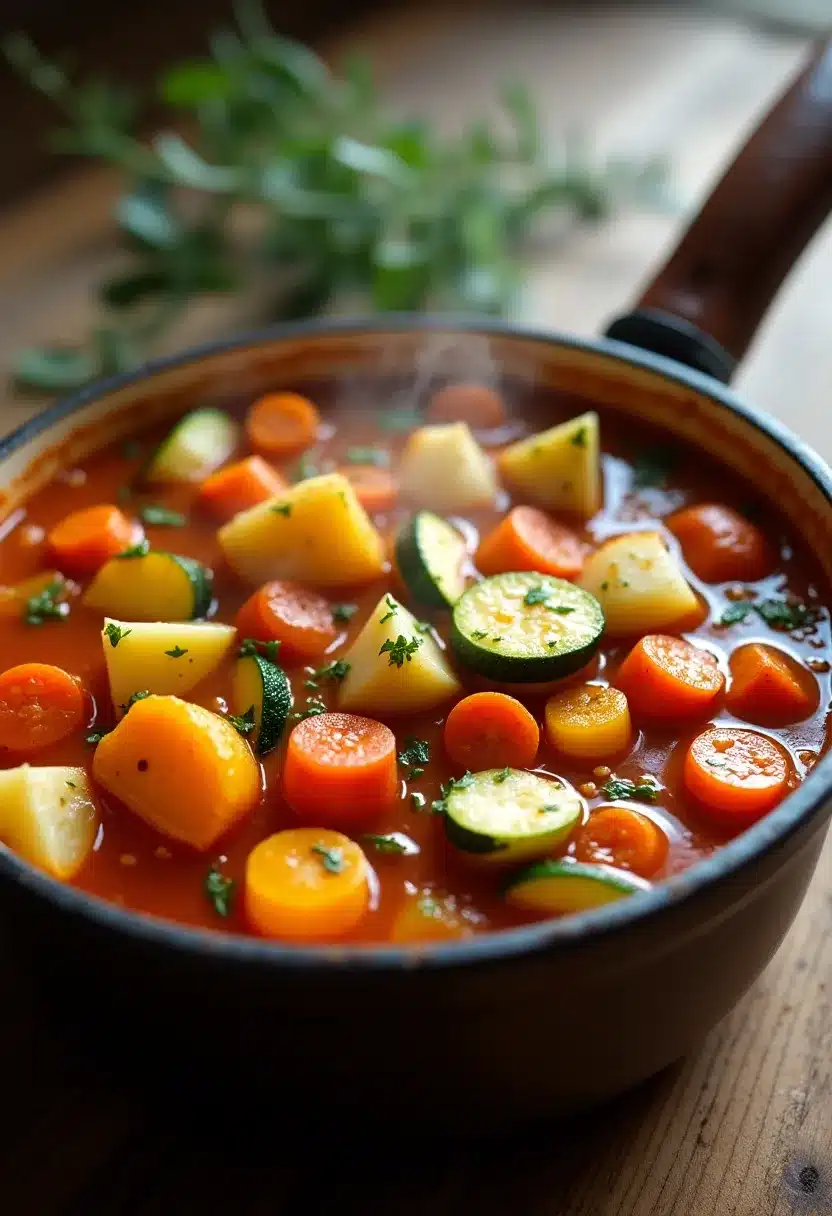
639,584
444,468
558,469
315,532
147,655
183,769
48,816
377,684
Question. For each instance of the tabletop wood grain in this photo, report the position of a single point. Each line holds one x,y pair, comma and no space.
743,1127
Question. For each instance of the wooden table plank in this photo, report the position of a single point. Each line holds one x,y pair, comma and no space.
744,1126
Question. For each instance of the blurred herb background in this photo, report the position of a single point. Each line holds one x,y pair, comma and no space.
275,170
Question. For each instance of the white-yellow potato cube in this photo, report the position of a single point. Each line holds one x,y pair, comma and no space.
48,816
444,468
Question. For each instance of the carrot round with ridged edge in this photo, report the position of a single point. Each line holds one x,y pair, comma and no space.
376,489
480,406
40,704
340,769
736,776
528,539
282,424
282,611
666,677
720,545
491,730
239,486
770,687
623,838
84,540
306,884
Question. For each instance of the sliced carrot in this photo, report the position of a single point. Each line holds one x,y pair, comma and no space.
768,686
239,486
720,545
735,775
628,840
84,540
491,730
39,704
376,489
481,407
305,884
340,769
13,599
282,424
667,677
527,539
301,620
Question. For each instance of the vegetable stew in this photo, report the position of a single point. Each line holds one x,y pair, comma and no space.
399,676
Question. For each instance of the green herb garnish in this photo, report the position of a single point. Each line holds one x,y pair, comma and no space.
114,633
393,609
537,595
385,844
653,466
251,646
502,776
622,787
344,612
479,634
332,860
176,653
415,751
245,723
95,737
282,508
784,615
440,805
736,613
137,696
578,440
314,706
418,800
140,550
401,651
47,604
220,890
336,670
161,517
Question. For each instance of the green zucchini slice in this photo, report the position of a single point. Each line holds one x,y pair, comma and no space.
430,554
198,444
263,686
526,628
506,815
559,887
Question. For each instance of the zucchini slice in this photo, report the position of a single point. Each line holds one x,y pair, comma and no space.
558,887
263,686
430,554
505,816
526,628
198,444
152,587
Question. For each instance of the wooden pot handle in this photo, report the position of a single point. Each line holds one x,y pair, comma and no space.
706,302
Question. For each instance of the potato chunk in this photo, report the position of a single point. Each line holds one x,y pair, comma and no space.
48,816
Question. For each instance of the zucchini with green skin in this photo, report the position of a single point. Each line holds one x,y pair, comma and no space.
526,628
508,815
261,685
196,447
152,586
429,554
560,887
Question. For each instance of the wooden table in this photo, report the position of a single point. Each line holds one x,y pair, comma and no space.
744,1126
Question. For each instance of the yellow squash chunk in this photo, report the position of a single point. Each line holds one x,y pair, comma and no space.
153,587
639,585
181,768
378,683
161,657
48,816
558,469
315,532
589,722
444,468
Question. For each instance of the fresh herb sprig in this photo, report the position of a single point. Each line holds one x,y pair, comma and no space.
351,199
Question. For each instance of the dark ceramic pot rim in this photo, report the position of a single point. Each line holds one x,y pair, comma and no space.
732,857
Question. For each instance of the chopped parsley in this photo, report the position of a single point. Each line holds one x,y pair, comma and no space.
140,550
393,609
578,440
736,613
424,626
537,595
653,466
336,670
245,723
95,737
283,508
344,612
72,785
415,752
162,517
622,787
137,696
478,634
267,650
418,800
440,806
401,651
220,890
385,844
47,604
177,652
114,633
314,706
332,860
377,456
785,615
502,776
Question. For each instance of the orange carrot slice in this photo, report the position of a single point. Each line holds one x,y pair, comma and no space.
376,489
720,545
39,704
340,769
306,884
282,424
240,486
736,775
84,540
667,677
491,730
479,406
628,840
769,687
301,620
527,539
